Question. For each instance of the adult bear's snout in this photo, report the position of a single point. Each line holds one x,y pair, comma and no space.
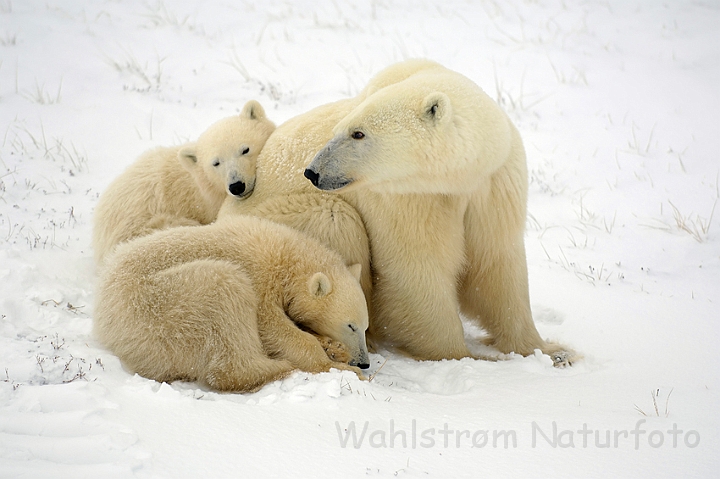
312,176
324,172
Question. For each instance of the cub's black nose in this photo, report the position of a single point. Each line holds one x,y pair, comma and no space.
237,188
363,366
313,177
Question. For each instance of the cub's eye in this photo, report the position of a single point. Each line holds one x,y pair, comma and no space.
353,328
246,151
216,162
357,135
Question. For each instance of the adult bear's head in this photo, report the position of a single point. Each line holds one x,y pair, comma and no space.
386,139
435,132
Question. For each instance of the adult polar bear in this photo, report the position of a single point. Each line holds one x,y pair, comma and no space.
437,173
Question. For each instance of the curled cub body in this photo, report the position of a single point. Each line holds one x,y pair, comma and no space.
222,304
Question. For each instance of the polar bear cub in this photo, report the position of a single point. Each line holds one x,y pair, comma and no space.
230,304
183,185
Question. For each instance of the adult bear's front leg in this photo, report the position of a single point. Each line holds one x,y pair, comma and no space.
418,317
417,256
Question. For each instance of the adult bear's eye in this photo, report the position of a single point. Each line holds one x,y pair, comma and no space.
246,151
216,162
358,135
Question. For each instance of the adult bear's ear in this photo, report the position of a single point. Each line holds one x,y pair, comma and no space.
355,270
319,285
187,156
436,107
253,110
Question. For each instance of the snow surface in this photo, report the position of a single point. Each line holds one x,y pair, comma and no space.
618,103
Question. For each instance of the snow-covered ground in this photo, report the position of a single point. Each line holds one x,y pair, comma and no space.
619,106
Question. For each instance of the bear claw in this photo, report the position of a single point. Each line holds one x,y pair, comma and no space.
561,359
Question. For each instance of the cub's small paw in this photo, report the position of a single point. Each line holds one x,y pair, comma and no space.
335,350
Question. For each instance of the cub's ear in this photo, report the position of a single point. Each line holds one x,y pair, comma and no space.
187,156
253,111
319,285
436,107
355,270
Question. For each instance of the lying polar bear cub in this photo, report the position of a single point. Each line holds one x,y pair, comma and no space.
224,304
182,185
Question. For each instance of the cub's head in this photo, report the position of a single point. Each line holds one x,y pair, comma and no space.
332,304
225,155
395,138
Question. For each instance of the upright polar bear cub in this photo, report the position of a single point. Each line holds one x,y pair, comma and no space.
183,185
224,303
437,173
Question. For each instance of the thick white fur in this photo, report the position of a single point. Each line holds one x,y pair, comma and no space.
223,304
183,185
283,195
439,179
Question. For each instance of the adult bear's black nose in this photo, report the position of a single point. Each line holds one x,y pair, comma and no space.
237,188
363,366
312,176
